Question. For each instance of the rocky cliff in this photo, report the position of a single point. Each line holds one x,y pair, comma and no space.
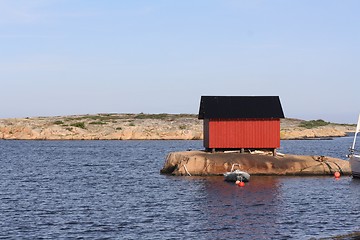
141,127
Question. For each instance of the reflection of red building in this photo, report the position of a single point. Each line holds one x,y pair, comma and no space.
241,122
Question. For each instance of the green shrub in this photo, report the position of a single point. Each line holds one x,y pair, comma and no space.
313,123
132,124
151,116
98,123
118,128
100,117
79,125
58,122
182,127
164,116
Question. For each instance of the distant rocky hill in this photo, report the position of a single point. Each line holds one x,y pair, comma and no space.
144,127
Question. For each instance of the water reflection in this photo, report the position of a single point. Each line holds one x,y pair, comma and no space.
271,207
248,211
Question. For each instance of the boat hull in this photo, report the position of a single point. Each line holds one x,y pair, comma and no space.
237,176
355,165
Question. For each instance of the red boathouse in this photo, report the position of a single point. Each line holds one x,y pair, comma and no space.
241,122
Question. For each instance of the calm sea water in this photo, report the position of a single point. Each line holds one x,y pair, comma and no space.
113,190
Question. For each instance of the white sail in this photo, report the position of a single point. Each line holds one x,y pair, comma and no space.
358,126
356,132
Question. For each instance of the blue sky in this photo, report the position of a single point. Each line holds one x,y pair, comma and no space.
64,57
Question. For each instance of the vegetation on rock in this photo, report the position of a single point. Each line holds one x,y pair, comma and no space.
98,123
313,123
79,125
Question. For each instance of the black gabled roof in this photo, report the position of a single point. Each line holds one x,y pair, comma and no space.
240,107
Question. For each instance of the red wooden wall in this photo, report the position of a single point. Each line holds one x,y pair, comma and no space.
242,133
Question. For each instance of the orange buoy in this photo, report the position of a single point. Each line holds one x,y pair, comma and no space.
241,184
337,174
237,182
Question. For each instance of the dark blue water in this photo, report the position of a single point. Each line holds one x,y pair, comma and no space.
113,190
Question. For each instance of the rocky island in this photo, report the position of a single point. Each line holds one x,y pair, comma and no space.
144,127
202,163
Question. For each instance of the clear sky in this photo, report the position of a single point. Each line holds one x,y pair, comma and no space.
64,57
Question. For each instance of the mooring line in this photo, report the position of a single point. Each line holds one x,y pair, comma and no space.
341,172
186,170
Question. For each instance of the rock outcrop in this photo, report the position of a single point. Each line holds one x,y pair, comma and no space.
138,126
205,163
103,127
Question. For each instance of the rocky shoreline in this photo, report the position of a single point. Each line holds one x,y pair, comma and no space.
202,163
140,127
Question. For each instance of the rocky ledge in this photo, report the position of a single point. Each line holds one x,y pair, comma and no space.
259,163
143,127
